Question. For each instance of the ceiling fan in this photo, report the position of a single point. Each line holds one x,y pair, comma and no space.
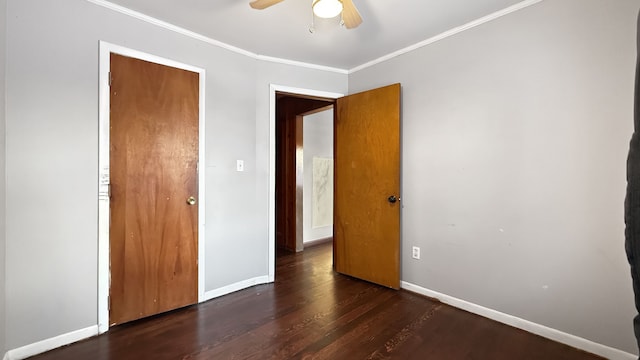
324,8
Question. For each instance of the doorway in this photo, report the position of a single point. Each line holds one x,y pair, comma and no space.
292,112
367,185
309,102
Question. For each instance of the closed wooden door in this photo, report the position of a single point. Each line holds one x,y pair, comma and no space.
154,187
367,186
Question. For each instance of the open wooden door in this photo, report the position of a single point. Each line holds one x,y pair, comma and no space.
367,186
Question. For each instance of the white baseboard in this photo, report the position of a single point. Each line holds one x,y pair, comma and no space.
526,325
316,242
71,337
235,287
51,343
544,331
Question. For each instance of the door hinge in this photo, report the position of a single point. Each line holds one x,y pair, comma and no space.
110,79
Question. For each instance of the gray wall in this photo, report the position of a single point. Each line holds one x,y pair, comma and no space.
52,157
317,142
515,136
3,56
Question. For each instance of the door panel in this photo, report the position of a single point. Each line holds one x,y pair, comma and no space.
153,167
367,172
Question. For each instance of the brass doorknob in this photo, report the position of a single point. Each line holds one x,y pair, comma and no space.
191,200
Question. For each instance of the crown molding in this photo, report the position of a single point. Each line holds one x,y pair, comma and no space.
197,36
208,40
302,64
170,27
449,33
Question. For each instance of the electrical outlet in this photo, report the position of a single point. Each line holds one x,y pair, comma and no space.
416,253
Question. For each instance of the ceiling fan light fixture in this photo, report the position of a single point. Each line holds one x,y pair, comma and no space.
327,8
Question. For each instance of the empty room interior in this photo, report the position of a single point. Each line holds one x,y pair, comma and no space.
395,180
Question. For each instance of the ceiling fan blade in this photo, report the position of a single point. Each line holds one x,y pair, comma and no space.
263,4
350,15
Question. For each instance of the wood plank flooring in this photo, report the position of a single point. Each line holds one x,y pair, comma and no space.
310,312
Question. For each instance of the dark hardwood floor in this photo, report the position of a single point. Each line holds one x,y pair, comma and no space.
313,313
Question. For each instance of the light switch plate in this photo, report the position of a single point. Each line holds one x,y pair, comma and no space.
239,165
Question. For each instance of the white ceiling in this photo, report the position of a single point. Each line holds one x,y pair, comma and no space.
282,31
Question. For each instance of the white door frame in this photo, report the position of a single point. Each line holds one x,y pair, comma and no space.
272,160
104,274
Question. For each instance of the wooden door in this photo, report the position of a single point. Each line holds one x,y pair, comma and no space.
367,177
153,165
